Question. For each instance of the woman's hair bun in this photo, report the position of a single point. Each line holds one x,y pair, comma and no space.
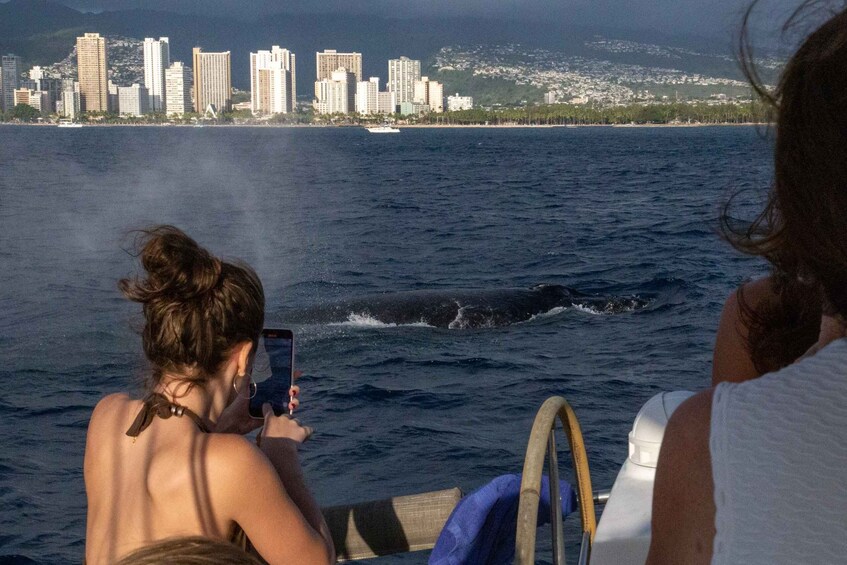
177,268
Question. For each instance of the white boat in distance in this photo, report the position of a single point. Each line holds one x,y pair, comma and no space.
384,128
69,124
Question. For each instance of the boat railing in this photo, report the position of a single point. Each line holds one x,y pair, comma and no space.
542,441
392,525
414,522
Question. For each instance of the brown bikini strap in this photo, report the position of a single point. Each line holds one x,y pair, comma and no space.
157,405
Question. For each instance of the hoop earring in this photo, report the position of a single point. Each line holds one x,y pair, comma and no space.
254,388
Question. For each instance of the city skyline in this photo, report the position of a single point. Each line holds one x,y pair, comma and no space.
272,86
411,92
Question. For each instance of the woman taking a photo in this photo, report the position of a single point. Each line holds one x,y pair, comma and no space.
176,463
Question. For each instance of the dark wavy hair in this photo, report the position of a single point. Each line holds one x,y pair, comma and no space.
196,306
802,230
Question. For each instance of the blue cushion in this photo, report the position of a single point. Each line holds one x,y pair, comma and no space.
481,529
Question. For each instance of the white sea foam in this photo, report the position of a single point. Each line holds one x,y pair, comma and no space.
588,310
367,321
459,322
554,312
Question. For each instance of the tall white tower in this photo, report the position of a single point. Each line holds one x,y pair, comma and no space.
273,81
178,87
402,75
157,59
367,96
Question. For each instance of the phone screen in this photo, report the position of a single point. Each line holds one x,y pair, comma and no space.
273,370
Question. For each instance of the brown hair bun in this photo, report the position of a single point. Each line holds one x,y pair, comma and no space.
196,307
176,267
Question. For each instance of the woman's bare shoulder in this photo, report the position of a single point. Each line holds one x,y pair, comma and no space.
110,408
231,455
731,360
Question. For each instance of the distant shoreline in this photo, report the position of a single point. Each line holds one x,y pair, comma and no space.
399,126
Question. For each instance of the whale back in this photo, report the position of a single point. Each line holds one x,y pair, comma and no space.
458,308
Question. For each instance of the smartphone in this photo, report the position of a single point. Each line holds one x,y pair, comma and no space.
273,371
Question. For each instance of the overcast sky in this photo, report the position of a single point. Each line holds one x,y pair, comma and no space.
675,17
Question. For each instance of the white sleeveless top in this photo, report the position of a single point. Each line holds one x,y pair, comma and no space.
779,464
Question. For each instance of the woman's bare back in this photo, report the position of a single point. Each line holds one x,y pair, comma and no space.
160,484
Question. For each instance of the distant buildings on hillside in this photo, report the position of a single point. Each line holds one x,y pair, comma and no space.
174,89
341,90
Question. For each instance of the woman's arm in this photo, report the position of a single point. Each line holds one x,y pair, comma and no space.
271,509
683,524
280,438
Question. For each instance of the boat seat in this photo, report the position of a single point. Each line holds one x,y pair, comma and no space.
392,525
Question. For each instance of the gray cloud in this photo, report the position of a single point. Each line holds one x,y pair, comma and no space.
674,17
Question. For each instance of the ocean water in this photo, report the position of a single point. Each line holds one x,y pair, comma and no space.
328,215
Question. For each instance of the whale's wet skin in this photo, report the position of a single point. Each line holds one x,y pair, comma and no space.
462,308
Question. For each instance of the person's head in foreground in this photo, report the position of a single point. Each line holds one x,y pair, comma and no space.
753,472
176,463
193,550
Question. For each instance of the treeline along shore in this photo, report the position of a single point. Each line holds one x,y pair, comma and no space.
540,115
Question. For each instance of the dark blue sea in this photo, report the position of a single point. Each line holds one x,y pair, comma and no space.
332,214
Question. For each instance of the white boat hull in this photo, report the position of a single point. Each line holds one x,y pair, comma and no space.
623,533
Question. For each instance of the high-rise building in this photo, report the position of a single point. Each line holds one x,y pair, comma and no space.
178,89
113,99
273,81
336,95
369,100
367,96
456,103
91,58
70,98
26,97
157,59
331,60
11,80
402,75
386,103
45,82
431,93
133,100
212,81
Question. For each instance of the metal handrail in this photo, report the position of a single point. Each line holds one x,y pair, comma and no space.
541,442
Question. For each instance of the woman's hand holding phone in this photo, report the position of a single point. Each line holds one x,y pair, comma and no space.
283,427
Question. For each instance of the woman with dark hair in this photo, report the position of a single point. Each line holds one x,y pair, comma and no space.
752,472
765,325
176,463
